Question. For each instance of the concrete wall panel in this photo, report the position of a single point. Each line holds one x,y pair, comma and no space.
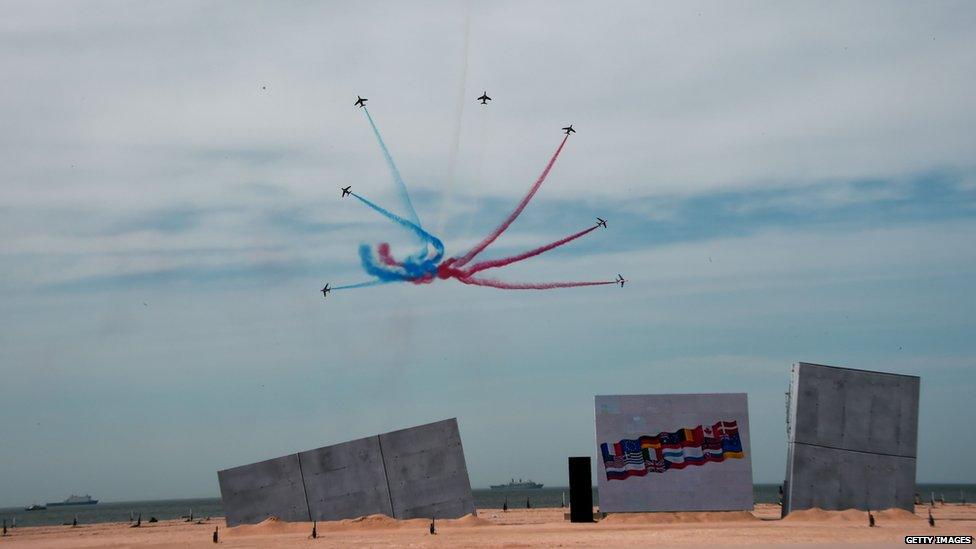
426,471
346,480
839,479
416,472
852,439
857,410
252,493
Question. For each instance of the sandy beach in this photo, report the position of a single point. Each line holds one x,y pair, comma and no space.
528,528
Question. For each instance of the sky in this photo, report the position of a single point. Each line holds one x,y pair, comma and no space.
783,181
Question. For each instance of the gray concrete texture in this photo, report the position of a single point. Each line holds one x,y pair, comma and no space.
839,479
411,473
254,492
852,439
426,473
346,480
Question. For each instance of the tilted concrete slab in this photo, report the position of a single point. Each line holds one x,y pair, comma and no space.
415,472
252,493
427,474
853,438
346,480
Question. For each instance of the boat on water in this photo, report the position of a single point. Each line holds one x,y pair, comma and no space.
35,507
74,500
520,485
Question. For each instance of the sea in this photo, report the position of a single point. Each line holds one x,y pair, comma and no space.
120,511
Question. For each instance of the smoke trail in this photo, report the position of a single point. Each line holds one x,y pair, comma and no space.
383,250
420,267
458,113
526,255
394,171
381,272
529,286
360,285
428,265
518,210
422,234
478,176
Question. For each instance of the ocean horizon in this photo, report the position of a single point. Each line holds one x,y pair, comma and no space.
484,498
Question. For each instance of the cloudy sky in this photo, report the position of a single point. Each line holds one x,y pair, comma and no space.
784,182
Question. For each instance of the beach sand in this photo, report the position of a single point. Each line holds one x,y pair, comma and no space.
529,528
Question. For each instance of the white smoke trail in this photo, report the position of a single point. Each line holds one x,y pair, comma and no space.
479,164
458,113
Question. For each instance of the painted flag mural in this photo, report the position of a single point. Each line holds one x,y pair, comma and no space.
672,450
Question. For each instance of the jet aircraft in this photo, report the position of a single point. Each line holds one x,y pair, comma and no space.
360,101
601,222
326,290
620,280
346,191
569,129
484,98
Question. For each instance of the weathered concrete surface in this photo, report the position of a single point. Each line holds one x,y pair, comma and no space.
852,439
426,471
857,410
252,493
415,472
839,479
346,480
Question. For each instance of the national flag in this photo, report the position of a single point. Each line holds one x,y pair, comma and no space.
677,450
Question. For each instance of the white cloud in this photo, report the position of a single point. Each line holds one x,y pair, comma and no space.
666,100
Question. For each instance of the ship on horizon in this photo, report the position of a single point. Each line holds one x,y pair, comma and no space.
520,485
74,500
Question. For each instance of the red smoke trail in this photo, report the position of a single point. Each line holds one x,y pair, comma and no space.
525,201
529,286
383,250
525,255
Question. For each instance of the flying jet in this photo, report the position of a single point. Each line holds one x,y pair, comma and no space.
569,129
484,98
600,222
620,280
326,290
345,191
360,101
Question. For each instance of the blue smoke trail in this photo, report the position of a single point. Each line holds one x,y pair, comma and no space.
360,285
404,195
410,226
418,266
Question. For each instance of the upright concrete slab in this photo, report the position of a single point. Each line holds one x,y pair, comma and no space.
852,439
829,478
252,493
346,480
415,472
426,471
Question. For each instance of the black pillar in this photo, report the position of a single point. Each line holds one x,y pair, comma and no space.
580,490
